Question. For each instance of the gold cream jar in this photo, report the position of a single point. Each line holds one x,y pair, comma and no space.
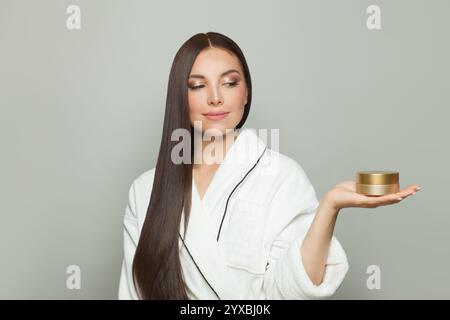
377,183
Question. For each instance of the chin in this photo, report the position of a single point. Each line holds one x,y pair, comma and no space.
219,127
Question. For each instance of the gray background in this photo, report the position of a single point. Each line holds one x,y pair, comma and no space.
81,117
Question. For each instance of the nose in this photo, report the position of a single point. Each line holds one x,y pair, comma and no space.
215,97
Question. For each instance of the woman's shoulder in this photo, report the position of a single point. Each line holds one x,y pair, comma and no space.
294,190
284,166
145,178
140,191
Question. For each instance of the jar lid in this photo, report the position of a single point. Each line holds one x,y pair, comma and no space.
377,177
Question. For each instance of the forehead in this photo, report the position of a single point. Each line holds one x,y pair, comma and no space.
211,62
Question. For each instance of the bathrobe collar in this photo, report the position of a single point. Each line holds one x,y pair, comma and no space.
206,216
240,158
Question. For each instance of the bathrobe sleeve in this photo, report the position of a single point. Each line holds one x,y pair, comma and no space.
293,209
130,240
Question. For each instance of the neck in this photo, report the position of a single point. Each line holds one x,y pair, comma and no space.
213,152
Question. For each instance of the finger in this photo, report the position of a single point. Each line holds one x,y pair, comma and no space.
399,196
388,199
373,202
410,190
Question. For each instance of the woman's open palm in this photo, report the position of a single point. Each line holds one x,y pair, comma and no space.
344,195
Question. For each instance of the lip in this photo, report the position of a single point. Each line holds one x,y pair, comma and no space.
215,115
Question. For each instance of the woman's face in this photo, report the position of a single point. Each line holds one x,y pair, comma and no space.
217,91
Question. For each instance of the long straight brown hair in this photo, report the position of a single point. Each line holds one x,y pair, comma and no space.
157,272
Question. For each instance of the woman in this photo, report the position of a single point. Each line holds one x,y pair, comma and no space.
247,227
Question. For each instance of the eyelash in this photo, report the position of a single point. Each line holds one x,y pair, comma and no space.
231,85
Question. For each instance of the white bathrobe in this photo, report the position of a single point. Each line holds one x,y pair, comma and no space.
244,236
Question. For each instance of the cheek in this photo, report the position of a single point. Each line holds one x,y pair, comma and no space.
195,105
236,98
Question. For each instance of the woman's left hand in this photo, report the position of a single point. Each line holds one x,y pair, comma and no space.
343,195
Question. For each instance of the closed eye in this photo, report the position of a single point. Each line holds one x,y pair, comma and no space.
232,84
196,87
229,84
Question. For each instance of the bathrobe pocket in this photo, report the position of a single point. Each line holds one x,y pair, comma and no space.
243,240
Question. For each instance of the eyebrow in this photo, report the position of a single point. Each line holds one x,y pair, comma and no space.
223,74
